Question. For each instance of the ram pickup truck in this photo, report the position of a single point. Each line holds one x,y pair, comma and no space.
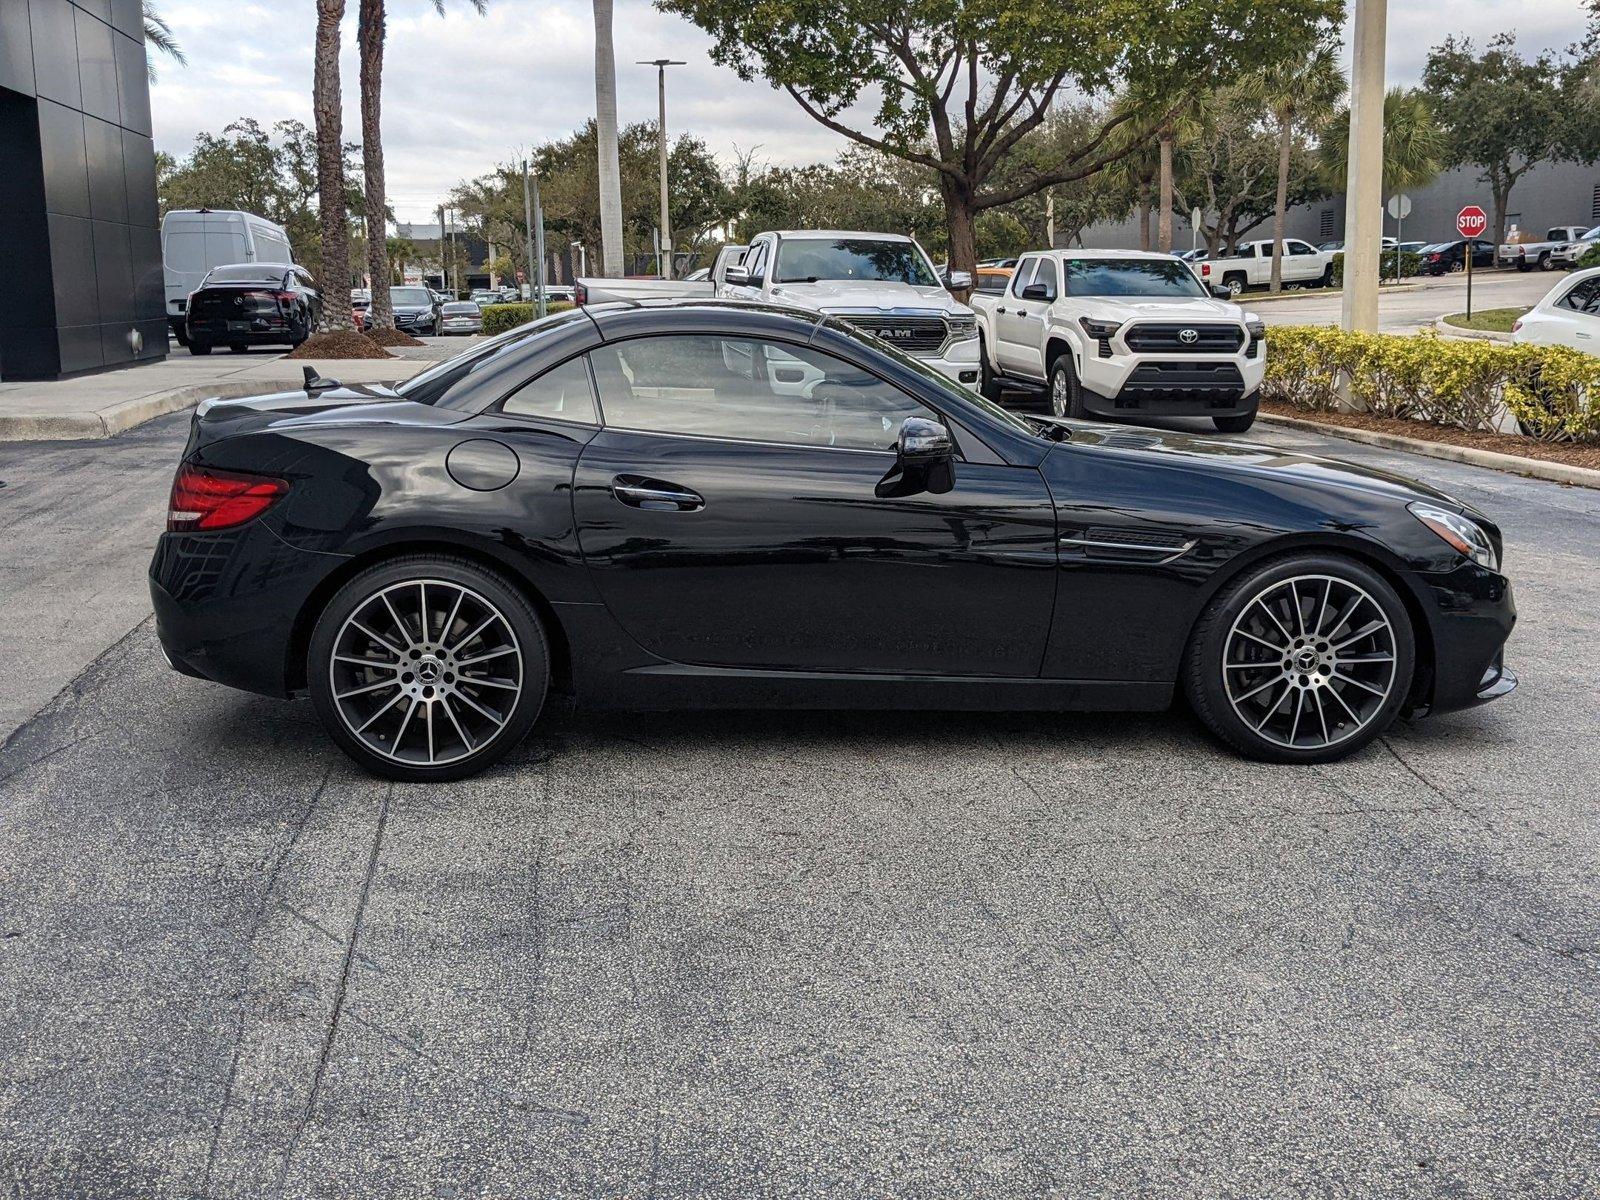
882,283
1525,256
1122,333
1251,266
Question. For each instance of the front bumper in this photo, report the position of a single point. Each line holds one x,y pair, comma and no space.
958,361
1472,614
1172,385
413,323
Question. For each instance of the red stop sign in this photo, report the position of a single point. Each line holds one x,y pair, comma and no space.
1471,221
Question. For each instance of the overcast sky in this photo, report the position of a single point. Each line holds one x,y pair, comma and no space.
463,91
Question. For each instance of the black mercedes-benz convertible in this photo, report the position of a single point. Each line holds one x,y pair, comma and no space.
714,504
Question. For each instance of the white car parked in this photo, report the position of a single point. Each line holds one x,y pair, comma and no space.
1569,315
1251,266
1122,333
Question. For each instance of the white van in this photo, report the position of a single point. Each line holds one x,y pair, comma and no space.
195,240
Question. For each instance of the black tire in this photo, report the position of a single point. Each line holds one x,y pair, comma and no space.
1063,395
1207,660
238,347
199,347
1327,277
1546,263
1238,423
1524,265
1236,283
490,593
988,384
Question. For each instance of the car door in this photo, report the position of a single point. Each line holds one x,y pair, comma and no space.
728,524
1579,311
1301,261
1013,326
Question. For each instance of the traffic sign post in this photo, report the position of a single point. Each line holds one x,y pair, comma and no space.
1399,208
1471,221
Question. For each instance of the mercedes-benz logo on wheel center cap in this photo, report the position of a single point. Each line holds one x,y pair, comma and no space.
1188,336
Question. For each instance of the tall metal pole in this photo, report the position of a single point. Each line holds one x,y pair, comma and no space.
527,224
444,269
1363,202
664,253
538,242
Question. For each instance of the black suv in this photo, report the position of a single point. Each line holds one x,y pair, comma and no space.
252,304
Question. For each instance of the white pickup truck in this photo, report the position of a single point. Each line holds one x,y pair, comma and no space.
1525,256
1122,333
882,283
1303,264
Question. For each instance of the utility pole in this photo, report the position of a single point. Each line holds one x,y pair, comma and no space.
1363,201
527,218
664,254
444,267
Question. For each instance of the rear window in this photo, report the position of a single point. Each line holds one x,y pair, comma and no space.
245,273
463,306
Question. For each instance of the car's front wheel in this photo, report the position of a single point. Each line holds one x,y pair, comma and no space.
428,667
1065,393
988,382
1303,659
199,347
1238,423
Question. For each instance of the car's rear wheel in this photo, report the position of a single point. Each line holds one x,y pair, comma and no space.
1237,423
1304,659
199,347
1234,283
428,667
1064,393
238,347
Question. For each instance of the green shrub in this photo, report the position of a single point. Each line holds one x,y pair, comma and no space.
1553,392
497,318
1410,264
1590,257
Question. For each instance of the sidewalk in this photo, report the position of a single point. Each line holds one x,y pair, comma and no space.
101,405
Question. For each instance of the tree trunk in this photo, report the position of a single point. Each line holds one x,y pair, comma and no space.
960,218
370,34
333,213
1164,218
1144,219
1500,191
1281,206
605,107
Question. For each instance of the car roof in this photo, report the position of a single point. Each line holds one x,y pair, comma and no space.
1154,255
834,234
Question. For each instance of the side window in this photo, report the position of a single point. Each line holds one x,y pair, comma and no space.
563,393
1047,275
990,283
1301,248
1584,297
709,385
756,261
1024,275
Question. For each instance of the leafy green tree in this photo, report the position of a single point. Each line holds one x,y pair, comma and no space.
1500,111
863,189
957,87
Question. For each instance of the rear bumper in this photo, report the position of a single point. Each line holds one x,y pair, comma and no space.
218,334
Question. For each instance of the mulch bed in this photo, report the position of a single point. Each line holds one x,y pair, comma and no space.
342,343
391,337
1574,454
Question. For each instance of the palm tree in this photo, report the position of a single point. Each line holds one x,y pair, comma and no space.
1178,127
371,30
158,34
605,108
1414,145
1297,91
332,202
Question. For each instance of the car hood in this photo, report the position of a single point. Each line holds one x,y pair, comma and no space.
1216,455
1160,308
847,296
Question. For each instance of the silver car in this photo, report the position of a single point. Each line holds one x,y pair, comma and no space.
460,316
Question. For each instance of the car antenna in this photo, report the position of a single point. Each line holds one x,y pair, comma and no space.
316,383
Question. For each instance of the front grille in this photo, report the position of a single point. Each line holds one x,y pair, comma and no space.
1163,377
1166,337
915,335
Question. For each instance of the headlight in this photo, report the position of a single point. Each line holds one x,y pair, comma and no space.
1099,330
963,327
1255,326
1464,534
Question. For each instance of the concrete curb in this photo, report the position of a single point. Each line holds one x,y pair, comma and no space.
1533,468
1248,298
1487,335
118,418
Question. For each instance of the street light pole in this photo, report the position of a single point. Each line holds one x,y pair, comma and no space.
664,260
1363,201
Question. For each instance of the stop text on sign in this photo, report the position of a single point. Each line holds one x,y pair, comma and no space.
1471,221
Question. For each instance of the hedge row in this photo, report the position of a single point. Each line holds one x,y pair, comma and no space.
1553,392
497,318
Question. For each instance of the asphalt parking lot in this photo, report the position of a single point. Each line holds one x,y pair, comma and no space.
783,954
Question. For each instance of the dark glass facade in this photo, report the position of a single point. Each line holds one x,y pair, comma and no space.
80,242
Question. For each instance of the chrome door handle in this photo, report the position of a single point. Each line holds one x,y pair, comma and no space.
639,492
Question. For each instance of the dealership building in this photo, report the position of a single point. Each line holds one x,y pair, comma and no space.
81,250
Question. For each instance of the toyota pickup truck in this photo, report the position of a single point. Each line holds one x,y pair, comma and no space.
882,283
1122,333
1525,256
1251,266
1568,253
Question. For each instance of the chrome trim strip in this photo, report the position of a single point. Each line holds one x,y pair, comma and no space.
1076,541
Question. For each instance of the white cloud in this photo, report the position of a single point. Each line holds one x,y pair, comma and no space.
463,91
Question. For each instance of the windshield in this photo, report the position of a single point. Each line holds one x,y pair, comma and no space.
1131,277
808,260
945,385
410,295
247,273
431,385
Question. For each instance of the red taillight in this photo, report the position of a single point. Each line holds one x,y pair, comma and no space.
1516,325
203,498
580,294
1205,269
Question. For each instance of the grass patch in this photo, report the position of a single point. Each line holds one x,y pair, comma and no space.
1493,320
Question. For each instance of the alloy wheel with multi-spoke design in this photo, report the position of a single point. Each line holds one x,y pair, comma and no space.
425,672
1310,661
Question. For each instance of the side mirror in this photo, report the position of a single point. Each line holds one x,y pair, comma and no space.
923,441
958,281
736,277
925,459
1037,291
1219,292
